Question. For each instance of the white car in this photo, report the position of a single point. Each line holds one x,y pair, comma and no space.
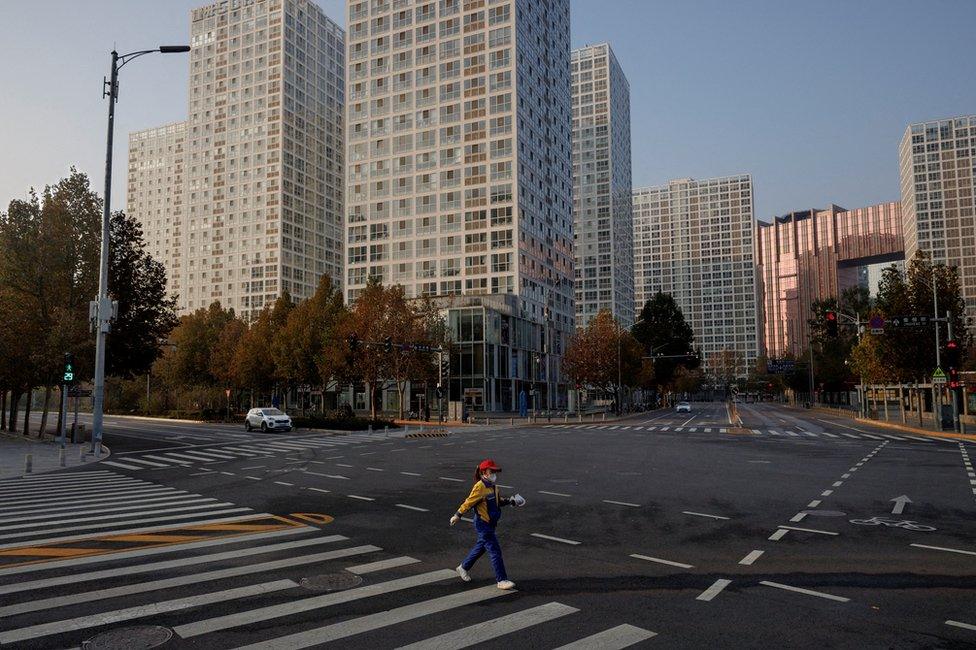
267,419
682,407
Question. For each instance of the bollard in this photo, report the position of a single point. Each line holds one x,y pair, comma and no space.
61,456
566,418
604,418
512,422
371,428
28,464
386,430
81,453
486,421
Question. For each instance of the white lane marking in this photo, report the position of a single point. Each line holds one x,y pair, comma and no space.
214,454
491,629
179,581
757,432
760,461
838,483
702,514
183,507
846,476
410,473
808,592
257,615
141,495
555,494
195,459
204,472
680,565
232,474
371,622
664,428
774,432
382,565
319,490
809,530
142,611
165,459
343,465
831,435
121,465
336,476
798,517
714,590
723,430
448,478
622,503
942,548
826,493
167,500
850,435
145,462
778,535
965,626
556,539
616,638
406,507
356,496
283,483
814,503
751,557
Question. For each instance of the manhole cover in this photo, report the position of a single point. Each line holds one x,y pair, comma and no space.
129,638
331,582
825,513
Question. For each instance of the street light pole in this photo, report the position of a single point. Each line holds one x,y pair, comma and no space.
102,307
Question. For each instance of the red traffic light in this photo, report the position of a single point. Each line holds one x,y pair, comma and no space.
831,315
952,344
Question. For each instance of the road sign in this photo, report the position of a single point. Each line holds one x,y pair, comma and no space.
938,377
910,321
877,324
79,392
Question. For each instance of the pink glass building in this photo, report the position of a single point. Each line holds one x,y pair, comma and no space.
816,254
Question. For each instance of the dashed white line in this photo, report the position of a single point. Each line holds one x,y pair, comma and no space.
356,496
809,530
283,483
556,539
406,507
808,592
798,517
448,478
965,626
375,469
751,557
826,493
555,494
702,514
814,503
714,590
942,548
778,535
410,473
680,565
622,503
318,490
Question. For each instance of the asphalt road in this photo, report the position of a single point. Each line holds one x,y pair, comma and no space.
662,530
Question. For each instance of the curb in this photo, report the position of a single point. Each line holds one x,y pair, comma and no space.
923,432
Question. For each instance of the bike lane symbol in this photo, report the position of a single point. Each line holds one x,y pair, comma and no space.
892,523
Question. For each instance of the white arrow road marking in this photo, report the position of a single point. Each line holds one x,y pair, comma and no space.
900,504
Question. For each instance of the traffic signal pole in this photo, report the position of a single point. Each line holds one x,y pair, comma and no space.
952,389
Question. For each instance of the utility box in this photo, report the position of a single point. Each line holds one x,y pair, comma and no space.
455,411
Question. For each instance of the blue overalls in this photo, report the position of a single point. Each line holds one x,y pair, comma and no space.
487,541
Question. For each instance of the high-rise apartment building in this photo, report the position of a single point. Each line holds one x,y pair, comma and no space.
693,239
938,185
602,204
813,255
261,177
459,175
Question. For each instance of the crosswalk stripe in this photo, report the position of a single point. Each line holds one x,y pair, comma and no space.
140,501
378,620
790,433
37,479
58,501
260,614
167,460
143,461
693,429
664,428
121,465
114,484
868,435
708,429
102,514
212,455
679,429
185,455
179,581
494,628
757,432
159,550
851,435
382,565
723,430
615,638
829,435
98,526
142,611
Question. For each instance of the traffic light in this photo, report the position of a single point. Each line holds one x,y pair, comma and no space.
830,318
439,391
69,368
954,381
952,353
388,344
353,343
445,365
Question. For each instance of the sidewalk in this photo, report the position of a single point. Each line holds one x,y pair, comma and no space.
45,455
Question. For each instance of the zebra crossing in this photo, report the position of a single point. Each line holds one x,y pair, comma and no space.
771,433
196,456
114,567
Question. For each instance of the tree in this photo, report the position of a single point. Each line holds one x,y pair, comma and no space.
366,323
591,356
726,365
662,330
688,381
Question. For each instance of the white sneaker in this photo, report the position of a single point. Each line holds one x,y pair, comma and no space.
464,574
506,585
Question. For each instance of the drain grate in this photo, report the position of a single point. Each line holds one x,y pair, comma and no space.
331,582
139,637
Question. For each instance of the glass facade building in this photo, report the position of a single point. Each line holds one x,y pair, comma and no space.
937,162
814,255
602,205
693,239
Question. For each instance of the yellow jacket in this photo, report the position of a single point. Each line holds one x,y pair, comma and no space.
485,501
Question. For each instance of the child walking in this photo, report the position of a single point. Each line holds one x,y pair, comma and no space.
487,504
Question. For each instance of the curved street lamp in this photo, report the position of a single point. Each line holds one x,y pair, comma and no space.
102,308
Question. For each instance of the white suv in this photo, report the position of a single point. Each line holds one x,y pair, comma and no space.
269,419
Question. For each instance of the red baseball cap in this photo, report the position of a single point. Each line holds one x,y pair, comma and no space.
489,464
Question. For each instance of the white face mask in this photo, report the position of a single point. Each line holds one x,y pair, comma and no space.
491,476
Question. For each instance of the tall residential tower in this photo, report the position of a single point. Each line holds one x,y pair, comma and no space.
259,180
693,239
938,186
602,203
459,177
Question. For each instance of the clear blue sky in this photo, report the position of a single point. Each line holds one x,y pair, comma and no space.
811,98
